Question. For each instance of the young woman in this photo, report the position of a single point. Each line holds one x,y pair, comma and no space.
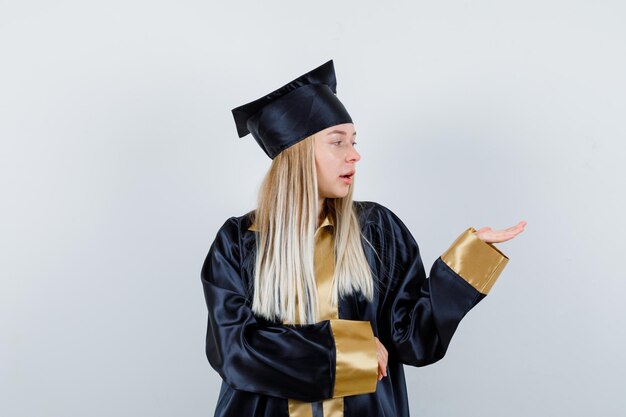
317,301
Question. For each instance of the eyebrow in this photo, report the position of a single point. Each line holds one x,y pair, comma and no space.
340,132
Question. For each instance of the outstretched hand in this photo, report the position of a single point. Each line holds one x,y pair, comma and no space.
486,234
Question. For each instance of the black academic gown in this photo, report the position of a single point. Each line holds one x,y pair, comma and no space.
264,364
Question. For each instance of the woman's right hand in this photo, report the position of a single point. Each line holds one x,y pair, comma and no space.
382,355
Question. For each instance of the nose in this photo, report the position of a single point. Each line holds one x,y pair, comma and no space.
353,155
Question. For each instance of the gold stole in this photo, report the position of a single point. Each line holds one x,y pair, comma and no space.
324,263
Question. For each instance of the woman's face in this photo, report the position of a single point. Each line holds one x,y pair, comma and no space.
335,160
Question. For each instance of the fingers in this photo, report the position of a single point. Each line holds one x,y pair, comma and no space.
382,356
518,227
382,369
486,234
510,232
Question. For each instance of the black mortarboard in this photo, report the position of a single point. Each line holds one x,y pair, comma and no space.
296,110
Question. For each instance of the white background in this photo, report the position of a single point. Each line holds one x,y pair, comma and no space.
119,160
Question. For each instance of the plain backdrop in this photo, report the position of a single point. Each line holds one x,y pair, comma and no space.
119,160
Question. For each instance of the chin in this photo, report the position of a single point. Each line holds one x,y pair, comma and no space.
338,192
342,193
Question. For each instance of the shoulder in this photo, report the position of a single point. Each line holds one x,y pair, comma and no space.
373,213
369,213
381,224
226,245
236,226
230,235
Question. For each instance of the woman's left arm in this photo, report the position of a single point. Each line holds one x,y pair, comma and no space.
423,313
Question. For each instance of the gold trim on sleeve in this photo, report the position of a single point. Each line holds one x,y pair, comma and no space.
356,370
477,262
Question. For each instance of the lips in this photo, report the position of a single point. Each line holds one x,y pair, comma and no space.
348,174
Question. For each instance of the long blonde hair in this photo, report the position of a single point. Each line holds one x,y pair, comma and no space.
286,219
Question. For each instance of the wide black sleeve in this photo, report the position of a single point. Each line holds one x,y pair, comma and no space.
423,313
286,361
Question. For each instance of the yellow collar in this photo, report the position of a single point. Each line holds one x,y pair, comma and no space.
326,222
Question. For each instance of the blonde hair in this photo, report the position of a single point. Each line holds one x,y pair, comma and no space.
286,219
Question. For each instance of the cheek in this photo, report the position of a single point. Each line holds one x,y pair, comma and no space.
325,168
320,164
318,168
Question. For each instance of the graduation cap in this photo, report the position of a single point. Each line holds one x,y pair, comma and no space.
293,112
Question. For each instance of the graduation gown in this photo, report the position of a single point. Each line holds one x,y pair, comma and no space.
329,368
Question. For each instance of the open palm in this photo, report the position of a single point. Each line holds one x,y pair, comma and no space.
486,234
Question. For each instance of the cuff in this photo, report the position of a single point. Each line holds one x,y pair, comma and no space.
477,262
356,366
